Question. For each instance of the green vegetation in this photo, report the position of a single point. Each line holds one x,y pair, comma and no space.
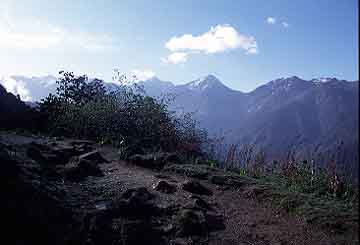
141,127
317,205
126,118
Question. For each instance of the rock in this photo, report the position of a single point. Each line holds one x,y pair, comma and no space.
170,209
105,228
141,232
147,161
153,161
196,188
82,169
83,146
199,203
132,150
162,176
50,154
190,170
220,180
136,202
31,205
214,221
82,142
181,241
35,152
255,190
64,151
230,180
172,158
9,167
166,229
190,222
165,187
93,156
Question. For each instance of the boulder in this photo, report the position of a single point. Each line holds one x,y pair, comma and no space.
50,154
181,241
93,156
190,170
103,227
9,167
153,161
214,221
82,146
64,151
196,202
190,222
82,142
31,204
165,187
196,188
77,171
136,202
172,158
220,180
230,180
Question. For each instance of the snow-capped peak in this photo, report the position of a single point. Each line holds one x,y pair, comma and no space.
323,79
204,83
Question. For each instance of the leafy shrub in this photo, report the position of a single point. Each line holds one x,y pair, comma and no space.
126,118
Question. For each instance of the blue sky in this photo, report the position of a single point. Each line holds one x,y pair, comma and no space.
243,43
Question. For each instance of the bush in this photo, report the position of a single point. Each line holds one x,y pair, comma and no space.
126,118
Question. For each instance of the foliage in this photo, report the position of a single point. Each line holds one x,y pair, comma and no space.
291,174
126,118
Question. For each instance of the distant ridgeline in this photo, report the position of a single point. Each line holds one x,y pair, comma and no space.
315,118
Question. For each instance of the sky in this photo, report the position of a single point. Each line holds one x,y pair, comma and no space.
244,43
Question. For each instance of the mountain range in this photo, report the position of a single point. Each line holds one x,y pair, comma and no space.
318,115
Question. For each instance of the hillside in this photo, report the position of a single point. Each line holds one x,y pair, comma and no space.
313,117
14,112
69,191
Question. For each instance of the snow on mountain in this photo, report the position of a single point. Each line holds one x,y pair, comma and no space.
203,83
29,88
324,79
279,114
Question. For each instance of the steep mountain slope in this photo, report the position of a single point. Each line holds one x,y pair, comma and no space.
13,112
55,199
280,115
216,106
312,117
30,88
302,113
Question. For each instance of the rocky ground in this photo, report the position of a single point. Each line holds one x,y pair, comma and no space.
64,191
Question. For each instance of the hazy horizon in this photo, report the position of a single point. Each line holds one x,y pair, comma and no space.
245,44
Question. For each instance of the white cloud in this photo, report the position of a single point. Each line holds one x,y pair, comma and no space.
33,34
217,39
271,20
53,38
176,58
16,87
142,75
285,24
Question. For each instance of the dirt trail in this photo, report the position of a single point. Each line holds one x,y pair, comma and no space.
247,220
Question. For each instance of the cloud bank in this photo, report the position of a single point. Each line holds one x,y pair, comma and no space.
28,34
142,75
217,40
16,87
176,58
